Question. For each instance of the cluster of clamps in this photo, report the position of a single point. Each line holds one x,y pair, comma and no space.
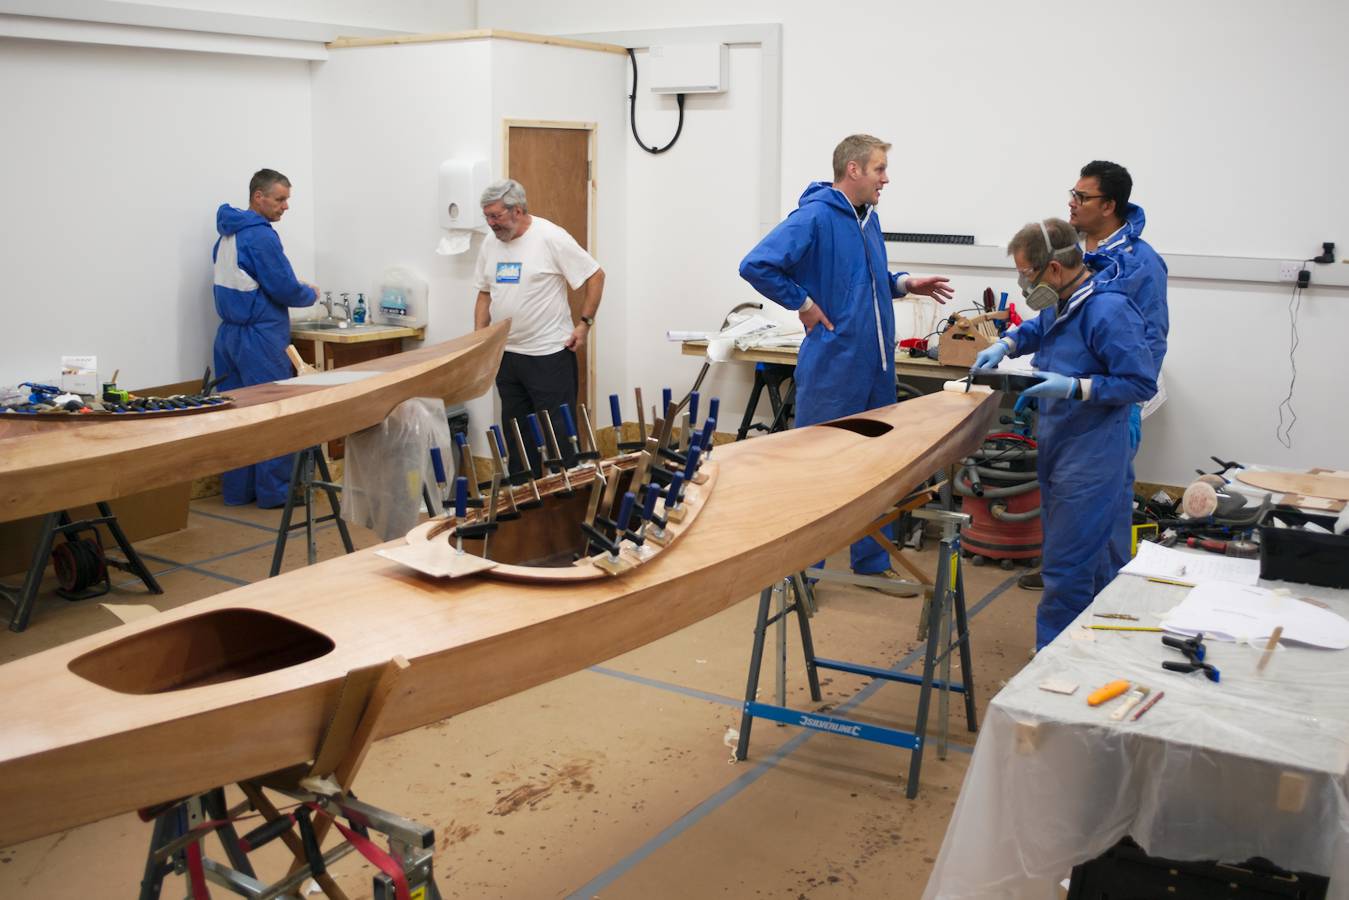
664,469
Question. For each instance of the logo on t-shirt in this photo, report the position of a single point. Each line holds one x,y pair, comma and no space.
508,272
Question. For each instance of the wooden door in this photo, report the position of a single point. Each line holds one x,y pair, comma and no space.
554,165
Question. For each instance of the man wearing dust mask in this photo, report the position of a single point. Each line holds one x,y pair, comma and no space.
1093,362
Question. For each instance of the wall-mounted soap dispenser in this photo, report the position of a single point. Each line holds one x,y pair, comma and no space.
462,182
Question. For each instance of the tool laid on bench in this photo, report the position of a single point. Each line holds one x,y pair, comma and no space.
1194,651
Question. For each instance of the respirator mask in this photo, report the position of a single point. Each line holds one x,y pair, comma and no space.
1038,294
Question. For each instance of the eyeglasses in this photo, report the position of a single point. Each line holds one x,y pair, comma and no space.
498,216
1081,197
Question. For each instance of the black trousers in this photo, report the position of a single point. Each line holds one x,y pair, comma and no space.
536,384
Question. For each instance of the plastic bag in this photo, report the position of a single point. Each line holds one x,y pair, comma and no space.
387,466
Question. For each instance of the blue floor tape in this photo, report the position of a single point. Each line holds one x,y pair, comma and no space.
173,565
711,804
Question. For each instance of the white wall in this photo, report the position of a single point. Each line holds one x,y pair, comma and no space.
410,16
312,20
691,215
113,163
385,118
993,108
116,157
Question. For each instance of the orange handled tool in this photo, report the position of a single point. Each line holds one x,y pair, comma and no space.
1109,692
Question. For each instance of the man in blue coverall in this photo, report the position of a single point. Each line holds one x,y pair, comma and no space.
826,261
1092,356
1111,229
255,288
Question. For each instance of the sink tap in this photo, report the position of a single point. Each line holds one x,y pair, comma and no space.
346,304
328,302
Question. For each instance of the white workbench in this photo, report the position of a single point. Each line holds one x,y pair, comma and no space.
1252,766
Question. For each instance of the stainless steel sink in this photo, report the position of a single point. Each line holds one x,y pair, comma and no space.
332,326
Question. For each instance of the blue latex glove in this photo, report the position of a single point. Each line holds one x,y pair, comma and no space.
990,356
1135,426
1052,384
1022,404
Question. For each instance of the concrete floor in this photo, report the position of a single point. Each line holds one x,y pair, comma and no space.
615,781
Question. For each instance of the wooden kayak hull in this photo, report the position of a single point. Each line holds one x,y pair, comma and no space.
95,727
49,466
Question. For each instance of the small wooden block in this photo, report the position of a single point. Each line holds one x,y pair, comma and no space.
1292,793
609,564
675,515
1027,738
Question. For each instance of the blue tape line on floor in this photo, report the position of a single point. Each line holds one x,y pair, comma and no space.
174,565
667,686
711,804
234,521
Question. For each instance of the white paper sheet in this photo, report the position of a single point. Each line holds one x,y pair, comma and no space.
1156,561
1235,612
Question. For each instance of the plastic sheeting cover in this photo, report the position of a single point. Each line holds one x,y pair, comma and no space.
387,465
1254,765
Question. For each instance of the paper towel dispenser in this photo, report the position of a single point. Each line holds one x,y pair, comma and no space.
462,182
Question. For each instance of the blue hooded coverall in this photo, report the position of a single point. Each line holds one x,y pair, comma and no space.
1083,444
254,286
822,251
1125,262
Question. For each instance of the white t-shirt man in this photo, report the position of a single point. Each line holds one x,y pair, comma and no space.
528,279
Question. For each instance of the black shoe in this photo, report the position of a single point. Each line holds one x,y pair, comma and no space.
1031,581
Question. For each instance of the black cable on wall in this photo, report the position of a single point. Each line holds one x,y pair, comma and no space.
632,105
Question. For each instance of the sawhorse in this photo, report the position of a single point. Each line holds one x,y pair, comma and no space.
944,611
59,522
302,474
177,844
770,376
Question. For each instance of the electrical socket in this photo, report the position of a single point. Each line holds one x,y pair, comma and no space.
1288,271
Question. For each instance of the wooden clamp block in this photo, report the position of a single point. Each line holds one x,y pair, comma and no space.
1292,792
351,731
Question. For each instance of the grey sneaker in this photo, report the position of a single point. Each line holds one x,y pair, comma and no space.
1031,581
902,586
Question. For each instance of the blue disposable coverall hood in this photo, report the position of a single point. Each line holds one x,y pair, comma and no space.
1141,276
822,251
254,287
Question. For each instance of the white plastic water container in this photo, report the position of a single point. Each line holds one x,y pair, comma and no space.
401,299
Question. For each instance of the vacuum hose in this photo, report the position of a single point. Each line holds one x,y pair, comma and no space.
999,512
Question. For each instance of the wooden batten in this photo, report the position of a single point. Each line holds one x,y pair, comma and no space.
474,35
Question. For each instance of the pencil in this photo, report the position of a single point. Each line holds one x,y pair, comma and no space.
1169,581
1269,649
1123,628
1149,705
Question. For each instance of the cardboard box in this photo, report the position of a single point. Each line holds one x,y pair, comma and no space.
79,375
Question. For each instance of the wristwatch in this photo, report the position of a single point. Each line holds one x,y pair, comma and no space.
589,320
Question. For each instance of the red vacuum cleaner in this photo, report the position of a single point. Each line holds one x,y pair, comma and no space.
1000,492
